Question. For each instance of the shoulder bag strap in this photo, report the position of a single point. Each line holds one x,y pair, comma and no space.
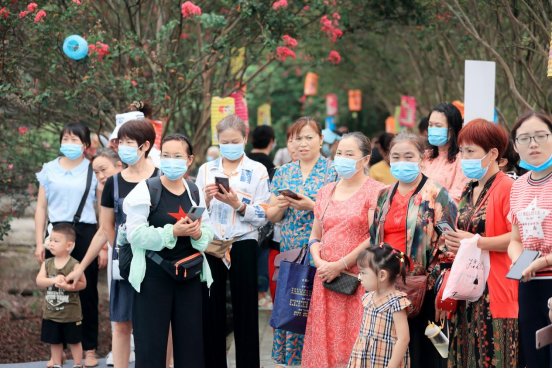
154,188
77,216
116,194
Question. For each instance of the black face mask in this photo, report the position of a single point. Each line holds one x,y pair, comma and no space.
376,157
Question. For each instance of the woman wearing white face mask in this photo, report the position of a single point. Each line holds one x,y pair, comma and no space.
164,239
63,182
235,213
136,139
486,330
405,217
343,214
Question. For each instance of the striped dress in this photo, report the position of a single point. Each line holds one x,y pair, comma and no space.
374,345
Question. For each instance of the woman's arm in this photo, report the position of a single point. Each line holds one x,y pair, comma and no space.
496,243
400,320
41,214
276,208
254,213
316,234
515,247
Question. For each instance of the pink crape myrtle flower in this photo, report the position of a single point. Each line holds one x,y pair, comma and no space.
289,41
23,14
282,53
189,9
78,2
39,16
32,7
4,13
279,4
22,130
334,57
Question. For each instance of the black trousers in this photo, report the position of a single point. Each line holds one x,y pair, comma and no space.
243,286
533,315
88,296
422,352
160,302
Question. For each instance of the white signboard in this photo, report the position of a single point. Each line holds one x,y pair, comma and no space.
479,90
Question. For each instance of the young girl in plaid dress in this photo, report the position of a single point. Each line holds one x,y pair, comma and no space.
383,338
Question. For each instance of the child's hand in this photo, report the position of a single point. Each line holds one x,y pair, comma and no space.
58,280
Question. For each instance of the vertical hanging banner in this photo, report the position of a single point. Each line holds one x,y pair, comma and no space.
390,124
355,100
311,84
396,118
331,105
549,73
158,127
479,90
407,117
240,105
263,115
237,60
220,109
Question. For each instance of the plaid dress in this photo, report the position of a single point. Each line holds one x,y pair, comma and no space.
377,337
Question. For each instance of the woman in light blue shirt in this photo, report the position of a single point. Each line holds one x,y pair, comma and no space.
62,186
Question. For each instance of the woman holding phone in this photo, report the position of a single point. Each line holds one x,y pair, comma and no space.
406,217
531,214
295,213
236,189
485,332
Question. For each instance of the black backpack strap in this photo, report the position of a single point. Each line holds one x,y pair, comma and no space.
116,194
77,216
195,191
155,187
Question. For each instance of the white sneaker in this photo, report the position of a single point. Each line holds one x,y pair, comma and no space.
109,359
131,357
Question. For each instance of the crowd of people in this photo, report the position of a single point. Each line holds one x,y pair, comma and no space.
174,242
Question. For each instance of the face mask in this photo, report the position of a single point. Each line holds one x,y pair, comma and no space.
71,151
210,158
345,167
231,151
128,154
473,169
437,136
173,168
536,168
405,171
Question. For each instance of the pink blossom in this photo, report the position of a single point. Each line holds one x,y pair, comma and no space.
32,7
39,15
334,57
134,83
184,36
10,166
91,49
78,2
100,49
189,9
289,41
4,13
331,27
22,130
306,8
23,14
279,4
282,53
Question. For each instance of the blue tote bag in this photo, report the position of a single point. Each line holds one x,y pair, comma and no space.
293,295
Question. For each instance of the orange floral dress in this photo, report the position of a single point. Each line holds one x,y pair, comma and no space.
334,318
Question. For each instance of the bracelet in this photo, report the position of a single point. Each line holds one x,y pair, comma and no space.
345,263
313,241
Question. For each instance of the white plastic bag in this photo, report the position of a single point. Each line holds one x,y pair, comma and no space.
469,272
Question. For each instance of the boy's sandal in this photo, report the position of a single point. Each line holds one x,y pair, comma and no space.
50,363
90,360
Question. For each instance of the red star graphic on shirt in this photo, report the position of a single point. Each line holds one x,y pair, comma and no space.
180,215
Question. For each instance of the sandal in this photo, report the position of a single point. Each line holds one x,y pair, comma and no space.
50,363
90,359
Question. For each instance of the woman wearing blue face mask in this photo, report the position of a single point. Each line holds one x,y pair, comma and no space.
164,233
63,182
405,217
531,213
343,214
236,213
136,139
441,162
485,332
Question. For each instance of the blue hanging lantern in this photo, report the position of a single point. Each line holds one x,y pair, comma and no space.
75,47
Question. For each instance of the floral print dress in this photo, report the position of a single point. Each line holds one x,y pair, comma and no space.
478,339
296,225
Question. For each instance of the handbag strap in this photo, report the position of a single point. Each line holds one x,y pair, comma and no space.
77,216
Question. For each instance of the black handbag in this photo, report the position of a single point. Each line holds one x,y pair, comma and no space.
345,283
181,270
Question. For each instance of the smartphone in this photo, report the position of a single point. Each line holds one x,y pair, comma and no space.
443,226
225,182
544,336
526,258
289,193
196,212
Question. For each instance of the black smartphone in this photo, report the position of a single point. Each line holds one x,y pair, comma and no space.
443,226
224,182
196,212
526,258
289,193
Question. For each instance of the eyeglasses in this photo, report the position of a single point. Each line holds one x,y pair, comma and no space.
526,140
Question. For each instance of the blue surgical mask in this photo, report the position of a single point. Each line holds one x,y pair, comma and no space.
437,136
536,168
210,158
232,151
173,168
71,151
405,171
473,168
128,154
345,167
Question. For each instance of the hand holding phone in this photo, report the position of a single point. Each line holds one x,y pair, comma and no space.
224,182
444,226
522,262
289,193
196,212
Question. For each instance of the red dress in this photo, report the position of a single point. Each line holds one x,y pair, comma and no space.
334,319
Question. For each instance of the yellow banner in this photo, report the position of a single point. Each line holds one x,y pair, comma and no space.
220,109
237,60
263,115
